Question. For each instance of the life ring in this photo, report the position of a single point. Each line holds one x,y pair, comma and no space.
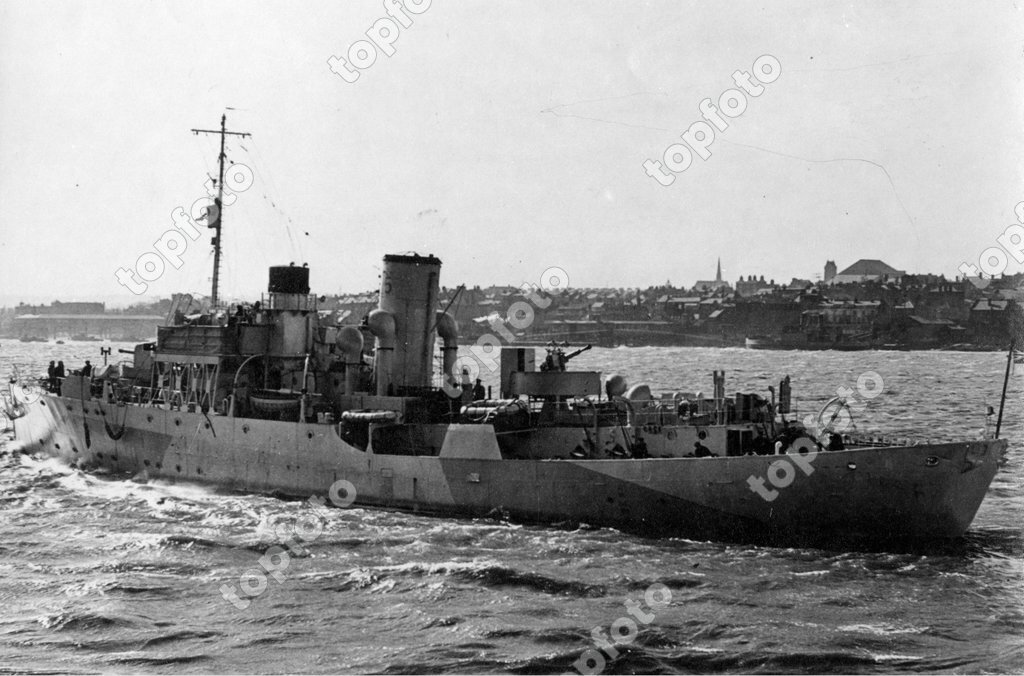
843,405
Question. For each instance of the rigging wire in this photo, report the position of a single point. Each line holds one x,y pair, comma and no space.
296,248
243,224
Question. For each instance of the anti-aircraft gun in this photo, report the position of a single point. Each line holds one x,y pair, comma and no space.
557,358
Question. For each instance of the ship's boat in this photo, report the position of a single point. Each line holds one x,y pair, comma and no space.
274,397
283,404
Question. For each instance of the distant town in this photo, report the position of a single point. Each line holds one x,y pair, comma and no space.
867,305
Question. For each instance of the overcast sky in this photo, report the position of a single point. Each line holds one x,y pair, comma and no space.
505,138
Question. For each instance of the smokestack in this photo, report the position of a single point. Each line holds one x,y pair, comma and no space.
382,326
409,292
350,344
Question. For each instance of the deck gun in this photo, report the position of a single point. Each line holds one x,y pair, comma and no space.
575,354
557,358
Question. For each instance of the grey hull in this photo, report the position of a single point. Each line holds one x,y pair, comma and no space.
905,493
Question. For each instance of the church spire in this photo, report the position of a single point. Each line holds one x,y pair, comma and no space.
718,275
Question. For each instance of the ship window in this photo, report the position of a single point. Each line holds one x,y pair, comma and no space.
177,421
149,418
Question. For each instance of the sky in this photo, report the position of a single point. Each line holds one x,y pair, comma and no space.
505,138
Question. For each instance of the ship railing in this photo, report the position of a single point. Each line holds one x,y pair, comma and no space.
298,302
877,441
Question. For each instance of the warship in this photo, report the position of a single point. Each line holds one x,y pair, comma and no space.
275,397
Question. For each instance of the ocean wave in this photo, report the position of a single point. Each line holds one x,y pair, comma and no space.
80,621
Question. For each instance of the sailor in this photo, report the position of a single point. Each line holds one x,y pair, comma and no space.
60,375
695,403
87,369
51,376
479,392
701,451
549,363
835,442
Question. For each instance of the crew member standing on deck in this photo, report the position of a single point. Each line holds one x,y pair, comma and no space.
87,369
51,376
60,375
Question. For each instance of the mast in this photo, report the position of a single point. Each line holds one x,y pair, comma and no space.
1006,380
218,201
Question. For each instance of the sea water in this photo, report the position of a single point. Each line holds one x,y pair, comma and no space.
113,575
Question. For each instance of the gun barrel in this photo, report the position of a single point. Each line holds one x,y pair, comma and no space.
578,352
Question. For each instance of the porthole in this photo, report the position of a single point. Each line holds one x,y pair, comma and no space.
74,450
177,422
146,463
931,461
309,435
206,425
245,429
149,418
42,403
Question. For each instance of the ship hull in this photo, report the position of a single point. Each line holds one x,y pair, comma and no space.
896,494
